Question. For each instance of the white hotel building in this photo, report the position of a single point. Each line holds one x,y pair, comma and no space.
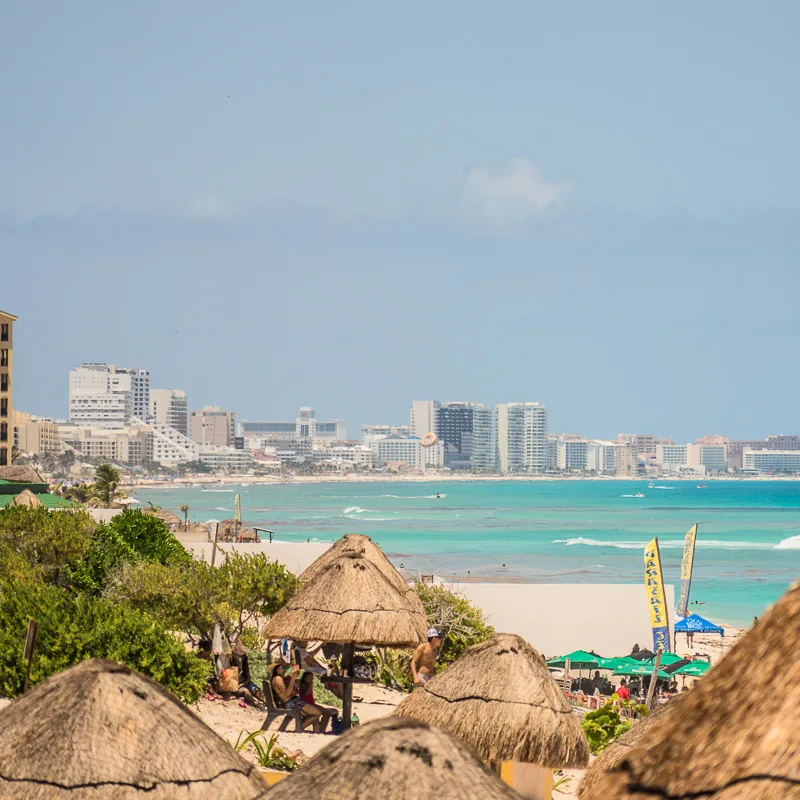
105,396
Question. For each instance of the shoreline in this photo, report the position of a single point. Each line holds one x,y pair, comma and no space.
200,481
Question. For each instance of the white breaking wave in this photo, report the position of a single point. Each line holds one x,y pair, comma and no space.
792,543
670,488
221,508
672,544
220,491
355,510
368,519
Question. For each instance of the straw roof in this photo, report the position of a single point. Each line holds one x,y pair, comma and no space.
26,498
169,518
619,748
351,600
359,543
23,473
101,728
736,735
393,759
500,698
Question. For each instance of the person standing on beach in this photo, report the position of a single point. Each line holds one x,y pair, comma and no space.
423,663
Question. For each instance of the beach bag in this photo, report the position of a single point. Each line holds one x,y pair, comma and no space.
229,680
337,725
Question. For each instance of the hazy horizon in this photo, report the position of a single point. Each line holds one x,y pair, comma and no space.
352,208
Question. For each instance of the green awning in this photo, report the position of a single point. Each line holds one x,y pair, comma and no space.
696,668
641,670
578,659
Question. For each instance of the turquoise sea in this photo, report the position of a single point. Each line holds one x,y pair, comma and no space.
748,546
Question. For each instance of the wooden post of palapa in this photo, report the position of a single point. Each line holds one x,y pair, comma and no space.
214,548
30,644
347,670
652,689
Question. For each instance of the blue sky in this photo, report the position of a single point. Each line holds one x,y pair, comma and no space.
590,205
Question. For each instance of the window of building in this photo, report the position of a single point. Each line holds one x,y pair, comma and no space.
3,456
3,358
4,407
4,332
4,382
3,431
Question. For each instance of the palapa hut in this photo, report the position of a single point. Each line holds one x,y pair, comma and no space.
169,518
350,601
619,748
26,498
500,698
393,759
100,729
736,734
359,543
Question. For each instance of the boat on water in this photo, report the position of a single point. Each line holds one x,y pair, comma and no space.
651,486
701,486
638,494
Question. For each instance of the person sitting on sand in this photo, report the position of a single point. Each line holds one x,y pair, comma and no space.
310,663
306,693
423,663
284,690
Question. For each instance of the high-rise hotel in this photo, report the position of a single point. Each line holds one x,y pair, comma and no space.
6,371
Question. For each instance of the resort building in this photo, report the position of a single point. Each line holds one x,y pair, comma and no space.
399,450
424,417
213,427
535,456
226,458
510,437
170,407
170,447
131,446
6,380
776,461
371,433
305,426
672,456
454,429
358,455
627,460
571,453
34,435
711,456
484,441
601,457
105,396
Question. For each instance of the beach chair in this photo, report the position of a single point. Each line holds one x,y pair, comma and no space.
273,712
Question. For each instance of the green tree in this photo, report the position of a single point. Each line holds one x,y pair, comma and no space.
193,597
74,626
48,542
106,481
185,511
148,537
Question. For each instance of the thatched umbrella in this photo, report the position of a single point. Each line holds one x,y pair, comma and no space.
619,748
24,473
26,498
735,735
359,543
393,759
500,698
168,517
102,730
351,601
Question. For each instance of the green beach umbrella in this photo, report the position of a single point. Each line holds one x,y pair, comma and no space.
641,670
578,659
696,668
616,663
667,659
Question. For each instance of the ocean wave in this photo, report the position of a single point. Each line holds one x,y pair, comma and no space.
221,508
370,519
668,544
632,495
792,543
220,491
668,488
355,510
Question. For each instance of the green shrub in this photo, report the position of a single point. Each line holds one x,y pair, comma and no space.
149,538
604,725
74,626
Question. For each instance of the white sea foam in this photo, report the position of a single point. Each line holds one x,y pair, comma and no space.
355,510
369,519
220,491
221,508
632,495
440,496
670,544
669,488
792,543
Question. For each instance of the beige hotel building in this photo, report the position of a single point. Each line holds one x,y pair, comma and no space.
6,370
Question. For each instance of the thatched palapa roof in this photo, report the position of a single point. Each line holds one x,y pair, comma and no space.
350,600
23,473
500,698
737,732
359,543
393,759
169,518
619,748
102,730
26,498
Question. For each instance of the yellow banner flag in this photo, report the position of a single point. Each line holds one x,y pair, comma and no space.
238,509
656,599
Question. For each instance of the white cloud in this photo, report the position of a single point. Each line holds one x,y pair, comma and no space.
511,197
208,206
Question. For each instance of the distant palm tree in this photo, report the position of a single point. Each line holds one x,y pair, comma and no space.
185,510
106,480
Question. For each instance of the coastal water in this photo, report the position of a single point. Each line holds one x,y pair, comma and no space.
748,546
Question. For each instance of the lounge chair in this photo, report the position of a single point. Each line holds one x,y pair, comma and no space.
273,712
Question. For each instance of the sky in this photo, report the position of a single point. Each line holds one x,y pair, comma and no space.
590,205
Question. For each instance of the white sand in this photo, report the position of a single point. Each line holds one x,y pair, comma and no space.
295,556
